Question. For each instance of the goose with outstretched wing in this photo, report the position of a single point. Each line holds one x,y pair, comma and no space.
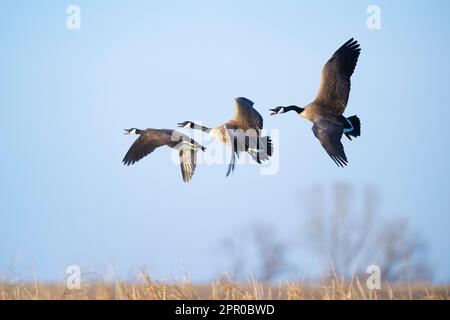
326,111
150,139
242,133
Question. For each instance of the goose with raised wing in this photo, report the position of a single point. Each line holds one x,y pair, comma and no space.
326,111
242,133
150,139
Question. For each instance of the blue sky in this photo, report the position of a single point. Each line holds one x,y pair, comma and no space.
66,96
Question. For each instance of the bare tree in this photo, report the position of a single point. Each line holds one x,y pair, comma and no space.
348,240
256,250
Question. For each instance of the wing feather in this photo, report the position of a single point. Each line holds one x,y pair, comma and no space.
146,144
329,135
188,161
335,84
246,116
237,144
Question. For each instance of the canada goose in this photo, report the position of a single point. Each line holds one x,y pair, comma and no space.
329,105
243,129
150,139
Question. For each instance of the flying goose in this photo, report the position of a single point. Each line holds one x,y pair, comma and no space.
326,111
150,139
243,129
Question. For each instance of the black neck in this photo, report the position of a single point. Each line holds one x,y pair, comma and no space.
199,127
293,108
139,131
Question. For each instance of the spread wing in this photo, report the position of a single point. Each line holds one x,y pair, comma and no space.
236,139
335,84
188,160
181,140
246,116
146,144
330,136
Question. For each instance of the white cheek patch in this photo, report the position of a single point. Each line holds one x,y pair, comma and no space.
188,125
133,131
281,111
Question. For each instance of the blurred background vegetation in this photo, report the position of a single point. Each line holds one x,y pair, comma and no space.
342,236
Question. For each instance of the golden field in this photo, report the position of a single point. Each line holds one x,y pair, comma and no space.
223,289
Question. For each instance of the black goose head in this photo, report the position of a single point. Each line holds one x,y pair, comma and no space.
132,131
277,110
282,109
186,124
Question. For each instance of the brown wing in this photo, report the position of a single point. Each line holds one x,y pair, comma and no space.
246,116
146,144
179,140
188,160
335,84
329,135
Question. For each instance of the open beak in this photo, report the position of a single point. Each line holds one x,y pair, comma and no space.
274,111
126,131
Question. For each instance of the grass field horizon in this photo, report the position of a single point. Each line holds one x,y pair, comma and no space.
333,287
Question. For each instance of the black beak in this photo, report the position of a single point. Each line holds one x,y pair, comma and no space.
274,111
126,131
180,124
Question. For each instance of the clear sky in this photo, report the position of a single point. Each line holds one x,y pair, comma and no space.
65,197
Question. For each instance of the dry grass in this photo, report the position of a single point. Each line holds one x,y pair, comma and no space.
223,288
